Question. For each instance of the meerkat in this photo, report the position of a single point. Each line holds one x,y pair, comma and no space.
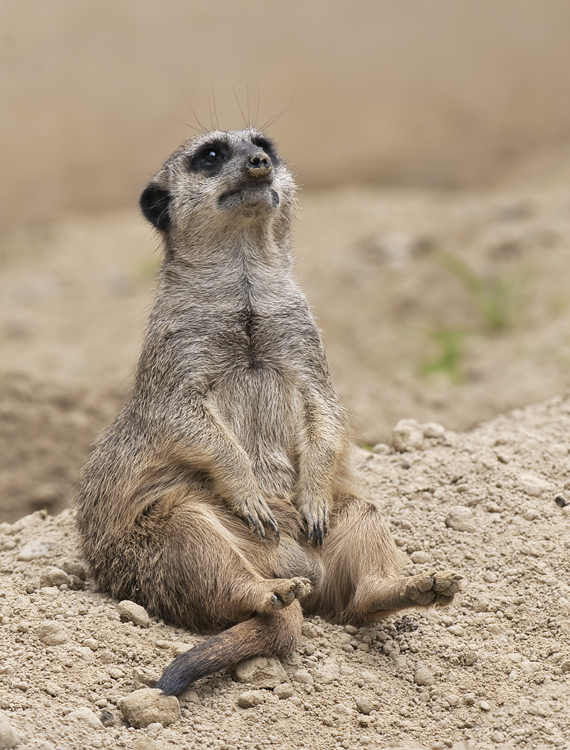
223,497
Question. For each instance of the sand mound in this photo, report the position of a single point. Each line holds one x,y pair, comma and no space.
493,670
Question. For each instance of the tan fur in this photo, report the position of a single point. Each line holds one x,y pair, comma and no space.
224,491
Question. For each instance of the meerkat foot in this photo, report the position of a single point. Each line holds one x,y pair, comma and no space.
423,590
282,592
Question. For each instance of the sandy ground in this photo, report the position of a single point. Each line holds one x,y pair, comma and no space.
490,671
446,306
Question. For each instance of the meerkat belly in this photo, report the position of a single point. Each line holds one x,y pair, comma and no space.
263,410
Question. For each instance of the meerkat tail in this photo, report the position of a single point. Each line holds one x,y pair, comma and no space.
276,634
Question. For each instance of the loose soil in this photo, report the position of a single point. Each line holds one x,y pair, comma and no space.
490,671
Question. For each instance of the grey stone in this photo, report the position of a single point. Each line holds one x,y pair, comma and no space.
433,430
9,737
54,577
407,435
283,691
381,449
461,518
534,485
148,706
86,716
420,557
132,612
303,676
424,676
52,633
251,698
263,672
366,705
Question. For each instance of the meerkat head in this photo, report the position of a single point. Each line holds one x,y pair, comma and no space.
220,182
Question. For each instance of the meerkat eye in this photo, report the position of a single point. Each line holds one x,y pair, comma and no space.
208,159
211,156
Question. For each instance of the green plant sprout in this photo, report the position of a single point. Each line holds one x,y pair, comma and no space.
498,298
452,344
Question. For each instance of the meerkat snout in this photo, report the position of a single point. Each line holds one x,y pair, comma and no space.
259,164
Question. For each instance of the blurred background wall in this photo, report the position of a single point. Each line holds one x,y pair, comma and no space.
94,93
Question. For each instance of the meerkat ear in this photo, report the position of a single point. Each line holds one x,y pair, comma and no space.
154,203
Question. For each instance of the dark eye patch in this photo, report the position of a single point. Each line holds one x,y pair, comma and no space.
209,158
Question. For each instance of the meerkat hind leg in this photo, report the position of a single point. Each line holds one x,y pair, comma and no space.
422,590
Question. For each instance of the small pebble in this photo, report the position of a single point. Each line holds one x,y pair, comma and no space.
470,657
283,691
461,518
251,698
341,709
261,671
131,612
400,662
54,577
534,485
303,676
407,435
108,718
420,557
148,706
85,653
433,430
9,737
497,736
366,705
52,633
484,706
381,449
424,676
86,716
456,630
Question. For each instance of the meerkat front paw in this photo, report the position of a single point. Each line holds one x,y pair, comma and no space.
257,515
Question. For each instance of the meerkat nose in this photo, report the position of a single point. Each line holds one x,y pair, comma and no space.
259,164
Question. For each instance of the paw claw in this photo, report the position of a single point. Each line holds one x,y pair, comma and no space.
258,515
316,526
